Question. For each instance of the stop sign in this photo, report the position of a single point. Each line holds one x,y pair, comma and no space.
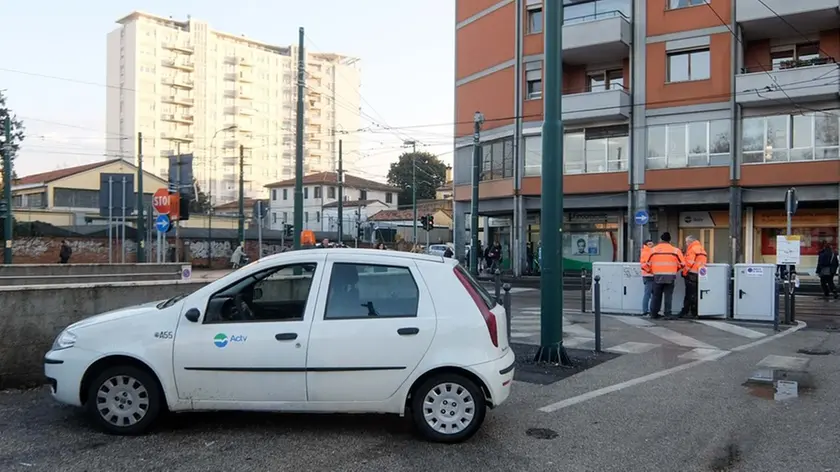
161,201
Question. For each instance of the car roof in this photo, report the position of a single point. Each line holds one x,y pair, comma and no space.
363,253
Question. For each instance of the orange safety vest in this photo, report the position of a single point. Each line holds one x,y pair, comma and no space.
643,259
695,258
665,259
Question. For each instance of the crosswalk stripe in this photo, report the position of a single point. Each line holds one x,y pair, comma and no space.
633,321
578,331
703,354
677,338
633,348
734,329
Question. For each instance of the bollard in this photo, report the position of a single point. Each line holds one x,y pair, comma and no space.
793,303
776,304
786,287
497,281
506,304
596,308
583,291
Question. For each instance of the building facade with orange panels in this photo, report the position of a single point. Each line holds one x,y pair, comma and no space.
700,112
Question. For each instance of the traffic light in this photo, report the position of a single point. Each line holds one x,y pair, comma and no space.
430,221
288,229
360,232
423,221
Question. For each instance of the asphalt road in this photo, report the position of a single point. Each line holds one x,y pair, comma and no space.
698,419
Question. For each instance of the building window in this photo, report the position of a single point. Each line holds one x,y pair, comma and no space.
497,159
689,65
362,194
274,218
285,217
605,80
535,16
317,192
317,216
389,197
274,194
305,193
595,150
796,55
697,144
533,79
791,138
306,217
285,194
330,192
674,4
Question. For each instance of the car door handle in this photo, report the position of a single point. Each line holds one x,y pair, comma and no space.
408,331
285,336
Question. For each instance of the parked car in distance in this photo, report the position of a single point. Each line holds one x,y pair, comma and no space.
437,249
335,330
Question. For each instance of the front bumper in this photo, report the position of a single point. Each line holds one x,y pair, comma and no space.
498,376
65,369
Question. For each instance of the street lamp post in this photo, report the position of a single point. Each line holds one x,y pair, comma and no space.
413,145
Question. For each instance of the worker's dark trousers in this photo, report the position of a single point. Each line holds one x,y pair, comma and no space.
690,300
661,290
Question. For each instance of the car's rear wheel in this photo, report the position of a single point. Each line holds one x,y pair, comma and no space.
124,400
448,408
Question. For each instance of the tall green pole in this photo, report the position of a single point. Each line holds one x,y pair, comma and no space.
298,212
340,182
141,230
414,190
551,227
7,192
242,194
478,120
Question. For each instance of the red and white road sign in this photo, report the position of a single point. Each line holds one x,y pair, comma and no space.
160,201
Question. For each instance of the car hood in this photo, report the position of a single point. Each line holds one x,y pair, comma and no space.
116,315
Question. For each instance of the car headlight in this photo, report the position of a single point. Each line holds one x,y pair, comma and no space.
64,340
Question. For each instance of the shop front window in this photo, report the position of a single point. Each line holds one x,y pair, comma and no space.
791,138
696,144
810,243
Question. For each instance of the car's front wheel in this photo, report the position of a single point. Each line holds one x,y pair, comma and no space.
448,408
124,400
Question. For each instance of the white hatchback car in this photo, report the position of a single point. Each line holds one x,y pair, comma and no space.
328,330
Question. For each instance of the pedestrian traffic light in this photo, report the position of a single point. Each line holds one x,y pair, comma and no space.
423,221
430,221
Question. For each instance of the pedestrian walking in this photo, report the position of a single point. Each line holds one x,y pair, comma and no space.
665,261
647,276
827,264
236,257
65,252
695,261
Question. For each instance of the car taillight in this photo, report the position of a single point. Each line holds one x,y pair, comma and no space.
489,317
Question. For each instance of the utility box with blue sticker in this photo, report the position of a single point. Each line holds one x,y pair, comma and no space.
755,292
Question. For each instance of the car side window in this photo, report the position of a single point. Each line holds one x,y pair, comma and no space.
371,291
276,294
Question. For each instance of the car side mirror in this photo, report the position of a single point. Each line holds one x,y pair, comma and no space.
258,293
192,314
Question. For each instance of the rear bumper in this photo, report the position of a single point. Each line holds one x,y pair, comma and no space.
498,376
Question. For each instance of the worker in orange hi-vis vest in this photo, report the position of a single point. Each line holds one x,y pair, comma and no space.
647,276
695,260
665,262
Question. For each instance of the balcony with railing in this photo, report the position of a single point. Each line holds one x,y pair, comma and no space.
176,136
785,74
766,18
597,31
179,82
178,100
180,64
603,102
183,48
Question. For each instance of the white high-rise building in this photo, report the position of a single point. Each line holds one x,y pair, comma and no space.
189,88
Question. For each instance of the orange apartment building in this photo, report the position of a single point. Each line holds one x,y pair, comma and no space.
701,112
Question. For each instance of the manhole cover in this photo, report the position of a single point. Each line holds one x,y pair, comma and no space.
541,433
815,352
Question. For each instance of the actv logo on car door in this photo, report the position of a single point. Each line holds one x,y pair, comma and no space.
222,340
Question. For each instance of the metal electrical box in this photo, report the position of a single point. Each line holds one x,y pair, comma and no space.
755,292
622,289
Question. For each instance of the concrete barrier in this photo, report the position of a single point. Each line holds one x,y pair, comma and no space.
33,316
49,274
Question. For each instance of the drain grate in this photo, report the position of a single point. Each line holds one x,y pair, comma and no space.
815,352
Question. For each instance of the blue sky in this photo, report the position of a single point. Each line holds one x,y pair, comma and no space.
54,76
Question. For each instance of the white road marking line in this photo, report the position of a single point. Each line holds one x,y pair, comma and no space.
703,354
514,335
633,321
731,328
633,348
677,338
797,364
799,325
577,342
578,330
657,375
